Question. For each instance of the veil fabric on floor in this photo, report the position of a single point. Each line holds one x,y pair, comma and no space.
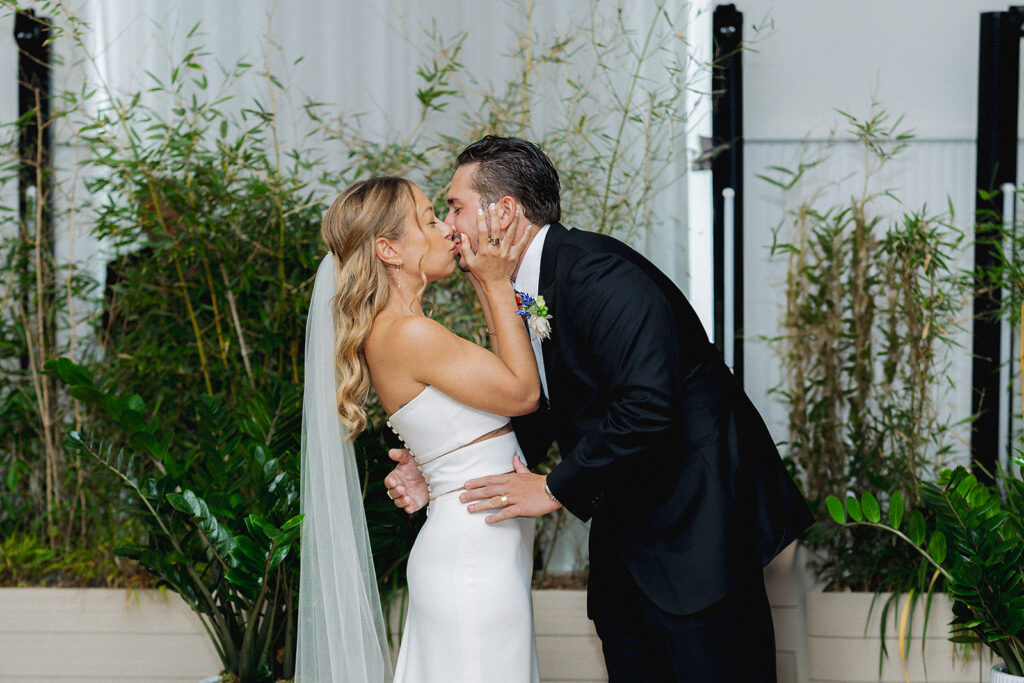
341,635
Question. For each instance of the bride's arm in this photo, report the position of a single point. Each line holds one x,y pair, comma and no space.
485,306
504,382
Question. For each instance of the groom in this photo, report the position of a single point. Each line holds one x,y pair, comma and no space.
660,447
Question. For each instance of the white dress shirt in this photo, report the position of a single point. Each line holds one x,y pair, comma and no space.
528,281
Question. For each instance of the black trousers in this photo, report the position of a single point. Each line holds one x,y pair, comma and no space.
733,640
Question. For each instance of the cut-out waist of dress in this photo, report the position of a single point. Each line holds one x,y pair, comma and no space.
449,472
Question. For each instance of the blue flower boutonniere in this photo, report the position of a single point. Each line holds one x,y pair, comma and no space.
536,313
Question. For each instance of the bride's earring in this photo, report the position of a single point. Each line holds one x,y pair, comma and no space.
398,272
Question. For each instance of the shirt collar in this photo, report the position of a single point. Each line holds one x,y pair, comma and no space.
528,278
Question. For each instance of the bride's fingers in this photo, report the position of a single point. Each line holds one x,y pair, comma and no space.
517,248
483,232
399,454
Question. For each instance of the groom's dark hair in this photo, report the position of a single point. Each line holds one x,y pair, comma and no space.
515,167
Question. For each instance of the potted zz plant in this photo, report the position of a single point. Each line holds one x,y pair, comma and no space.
219,513
977,546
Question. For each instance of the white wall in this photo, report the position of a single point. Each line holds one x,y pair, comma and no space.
918,59
814,56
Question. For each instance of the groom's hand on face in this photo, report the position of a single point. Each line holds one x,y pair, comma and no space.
517,494
405,484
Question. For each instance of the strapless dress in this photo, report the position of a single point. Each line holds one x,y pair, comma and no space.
470,611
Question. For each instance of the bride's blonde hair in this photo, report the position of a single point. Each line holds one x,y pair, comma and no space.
367,210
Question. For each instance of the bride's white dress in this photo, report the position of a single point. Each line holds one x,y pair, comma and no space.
470,612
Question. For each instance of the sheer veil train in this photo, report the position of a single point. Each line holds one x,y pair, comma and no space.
341,634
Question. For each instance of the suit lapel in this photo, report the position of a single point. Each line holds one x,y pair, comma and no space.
549,290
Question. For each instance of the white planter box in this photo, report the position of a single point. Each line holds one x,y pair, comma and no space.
95,634
98,634
840,648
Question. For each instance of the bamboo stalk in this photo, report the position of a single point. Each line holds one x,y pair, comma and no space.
222,343
157,211
243,349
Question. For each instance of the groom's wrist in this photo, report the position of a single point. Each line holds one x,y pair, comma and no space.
548,491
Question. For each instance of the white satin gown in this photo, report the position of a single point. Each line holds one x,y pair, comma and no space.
470,612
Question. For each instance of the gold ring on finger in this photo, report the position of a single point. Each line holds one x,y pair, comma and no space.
504,501
494,240
389,494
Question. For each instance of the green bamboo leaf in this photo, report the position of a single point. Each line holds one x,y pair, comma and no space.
835,508
896,510
870,506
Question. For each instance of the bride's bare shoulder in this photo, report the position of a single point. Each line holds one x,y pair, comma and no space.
407,334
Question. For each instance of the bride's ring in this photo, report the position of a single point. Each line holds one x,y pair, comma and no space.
504,501
494,240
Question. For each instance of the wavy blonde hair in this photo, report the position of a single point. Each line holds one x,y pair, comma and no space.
367,210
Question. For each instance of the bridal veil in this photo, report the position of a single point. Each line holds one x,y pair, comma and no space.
341,634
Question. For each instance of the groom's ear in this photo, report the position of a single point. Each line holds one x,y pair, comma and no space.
506,212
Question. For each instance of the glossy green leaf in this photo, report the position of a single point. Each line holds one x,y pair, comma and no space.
853,509
293,522
896,510
916,528
937,546
835,508
86,393
869,504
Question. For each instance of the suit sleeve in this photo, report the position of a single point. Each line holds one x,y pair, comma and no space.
624,328
534,434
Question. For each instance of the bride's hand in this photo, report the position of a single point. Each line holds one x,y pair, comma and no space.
405,484
496,257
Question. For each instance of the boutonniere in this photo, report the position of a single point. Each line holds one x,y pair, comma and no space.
536,313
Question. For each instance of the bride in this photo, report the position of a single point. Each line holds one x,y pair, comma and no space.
470,615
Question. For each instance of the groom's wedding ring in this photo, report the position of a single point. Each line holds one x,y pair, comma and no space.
494,240
504,501
389,494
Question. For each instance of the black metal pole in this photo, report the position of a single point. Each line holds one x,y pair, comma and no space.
32,35
998,100
727,169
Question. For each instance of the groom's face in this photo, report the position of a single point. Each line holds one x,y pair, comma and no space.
463,202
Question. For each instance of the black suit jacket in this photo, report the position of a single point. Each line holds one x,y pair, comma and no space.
659,444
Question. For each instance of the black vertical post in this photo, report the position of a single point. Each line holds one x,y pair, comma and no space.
32,35
998,99
727,167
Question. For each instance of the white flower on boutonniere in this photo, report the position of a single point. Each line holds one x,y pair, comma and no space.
536,313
